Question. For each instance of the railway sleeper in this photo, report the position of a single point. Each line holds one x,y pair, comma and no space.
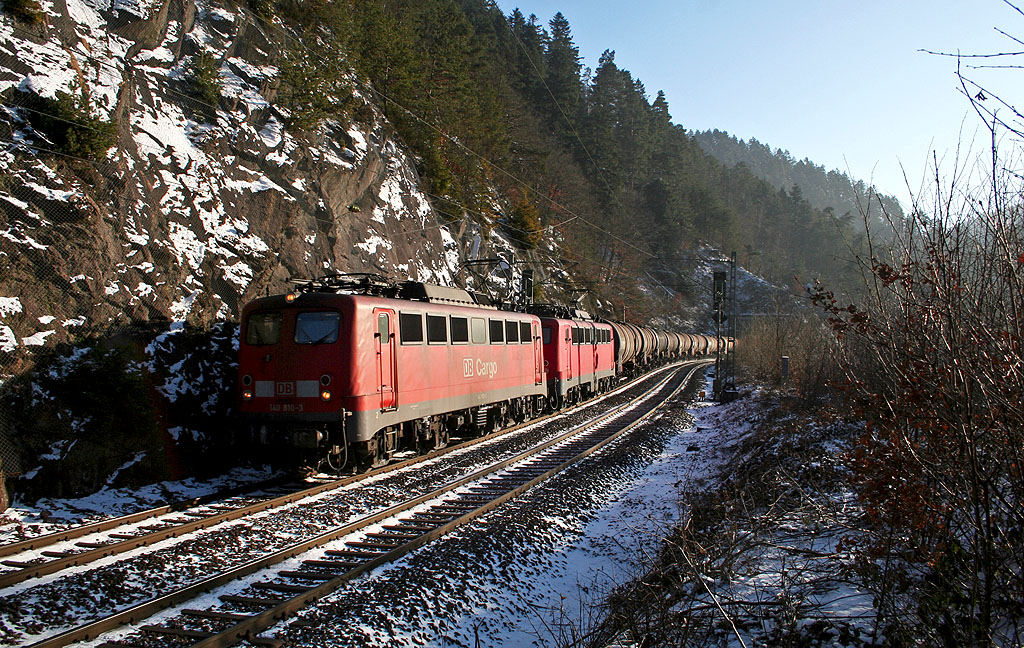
453,508
214,614
387,546
341,565
308,575
342,553
439,520
393,535
284,588
422,528
251,600
177,632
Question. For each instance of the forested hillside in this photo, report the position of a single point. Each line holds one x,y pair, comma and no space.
823,189
587,156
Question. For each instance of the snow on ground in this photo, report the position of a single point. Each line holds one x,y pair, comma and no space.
535,572
532,572
22,521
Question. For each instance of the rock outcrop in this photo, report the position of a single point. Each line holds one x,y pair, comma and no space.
194,209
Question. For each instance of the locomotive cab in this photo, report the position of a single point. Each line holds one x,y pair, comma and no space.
290,379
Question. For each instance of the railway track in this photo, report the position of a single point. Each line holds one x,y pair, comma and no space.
81,545
344,553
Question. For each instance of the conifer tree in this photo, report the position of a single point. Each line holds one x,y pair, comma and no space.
527,56
562,61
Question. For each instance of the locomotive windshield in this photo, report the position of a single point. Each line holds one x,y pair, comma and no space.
263,328
317,327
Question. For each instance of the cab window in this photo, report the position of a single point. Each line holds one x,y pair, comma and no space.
512,332
263,328
497,330
317,327
437,329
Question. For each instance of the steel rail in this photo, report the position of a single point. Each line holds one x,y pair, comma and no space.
72,533
248,628
27,570
146,609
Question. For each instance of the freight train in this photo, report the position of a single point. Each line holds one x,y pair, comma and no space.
350,369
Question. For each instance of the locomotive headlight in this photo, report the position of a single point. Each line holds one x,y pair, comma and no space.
246,380
325,395
290,297
325,380
247,394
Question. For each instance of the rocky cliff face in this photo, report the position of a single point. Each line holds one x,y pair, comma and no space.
194,210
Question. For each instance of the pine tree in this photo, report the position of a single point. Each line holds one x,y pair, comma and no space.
562,61
527,56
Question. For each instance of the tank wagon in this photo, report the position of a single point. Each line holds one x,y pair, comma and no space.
350,369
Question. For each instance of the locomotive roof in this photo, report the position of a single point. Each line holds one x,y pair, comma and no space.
379,286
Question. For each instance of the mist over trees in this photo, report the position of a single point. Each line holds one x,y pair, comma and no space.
823,189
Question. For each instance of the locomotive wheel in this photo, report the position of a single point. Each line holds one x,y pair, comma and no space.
379,454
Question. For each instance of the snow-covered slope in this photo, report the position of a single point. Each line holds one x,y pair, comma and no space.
192,211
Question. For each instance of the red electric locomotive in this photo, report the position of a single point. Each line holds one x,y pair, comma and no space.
355,367
579,358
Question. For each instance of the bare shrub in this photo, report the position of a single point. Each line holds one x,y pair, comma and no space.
803,337
934,358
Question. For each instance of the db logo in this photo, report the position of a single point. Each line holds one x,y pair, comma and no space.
467,368
285,389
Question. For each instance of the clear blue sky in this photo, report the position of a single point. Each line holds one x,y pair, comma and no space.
841,83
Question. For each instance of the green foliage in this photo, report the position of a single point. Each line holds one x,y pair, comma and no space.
204,76
125,410
68,123
821,188
523,224
28,11
486,101
315,86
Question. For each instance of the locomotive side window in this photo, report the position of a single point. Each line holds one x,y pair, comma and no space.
524,333
546,332
263,328
437,329
383,328
577,335
317,327
497,330
512,332
479,331
410,325
460,330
